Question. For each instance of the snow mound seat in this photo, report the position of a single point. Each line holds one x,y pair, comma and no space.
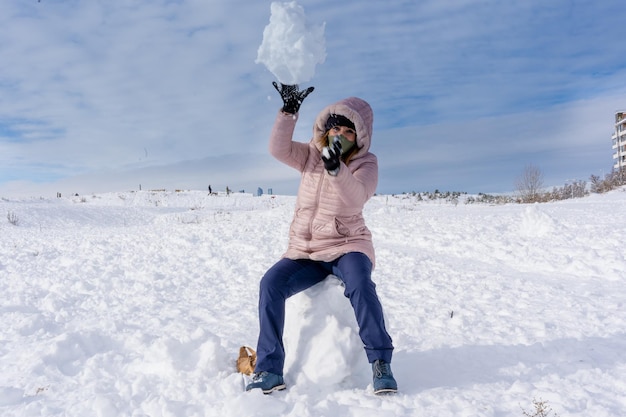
322,340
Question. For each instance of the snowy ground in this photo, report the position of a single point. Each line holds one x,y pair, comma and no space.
135,304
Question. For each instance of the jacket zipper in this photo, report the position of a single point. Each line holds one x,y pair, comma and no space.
317,205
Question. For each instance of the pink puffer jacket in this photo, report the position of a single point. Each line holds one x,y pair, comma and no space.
328,220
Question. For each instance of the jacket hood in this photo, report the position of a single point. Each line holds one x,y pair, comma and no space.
355,109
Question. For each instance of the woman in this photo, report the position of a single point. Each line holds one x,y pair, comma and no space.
328,233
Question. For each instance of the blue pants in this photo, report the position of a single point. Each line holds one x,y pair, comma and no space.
288,277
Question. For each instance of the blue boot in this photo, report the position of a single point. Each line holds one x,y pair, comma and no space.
384,381
267,382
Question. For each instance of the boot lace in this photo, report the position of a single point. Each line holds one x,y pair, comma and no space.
381,369
258,376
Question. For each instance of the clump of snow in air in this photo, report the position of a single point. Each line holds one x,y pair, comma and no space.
292,46
136,304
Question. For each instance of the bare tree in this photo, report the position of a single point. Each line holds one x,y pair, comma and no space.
529,184
611,181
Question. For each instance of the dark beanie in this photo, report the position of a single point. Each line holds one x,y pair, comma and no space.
338,120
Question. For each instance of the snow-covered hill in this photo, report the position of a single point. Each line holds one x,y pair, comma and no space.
135,304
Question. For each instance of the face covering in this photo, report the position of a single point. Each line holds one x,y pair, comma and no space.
346,145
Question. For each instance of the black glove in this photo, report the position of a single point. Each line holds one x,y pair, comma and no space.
292,97
332,157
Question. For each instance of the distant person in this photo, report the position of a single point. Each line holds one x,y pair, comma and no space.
328,233
210,190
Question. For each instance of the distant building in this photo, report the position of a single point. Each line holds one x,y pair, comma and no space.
619,141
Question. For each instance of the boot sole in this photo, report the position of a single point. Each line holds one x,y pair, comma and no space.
276,388
386,391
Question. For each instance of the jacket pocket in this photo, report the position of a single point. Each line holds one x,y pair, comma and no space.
341,227
350,226
325,228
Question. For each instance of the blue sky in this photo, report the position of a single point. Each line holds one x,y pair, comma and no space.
106,95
